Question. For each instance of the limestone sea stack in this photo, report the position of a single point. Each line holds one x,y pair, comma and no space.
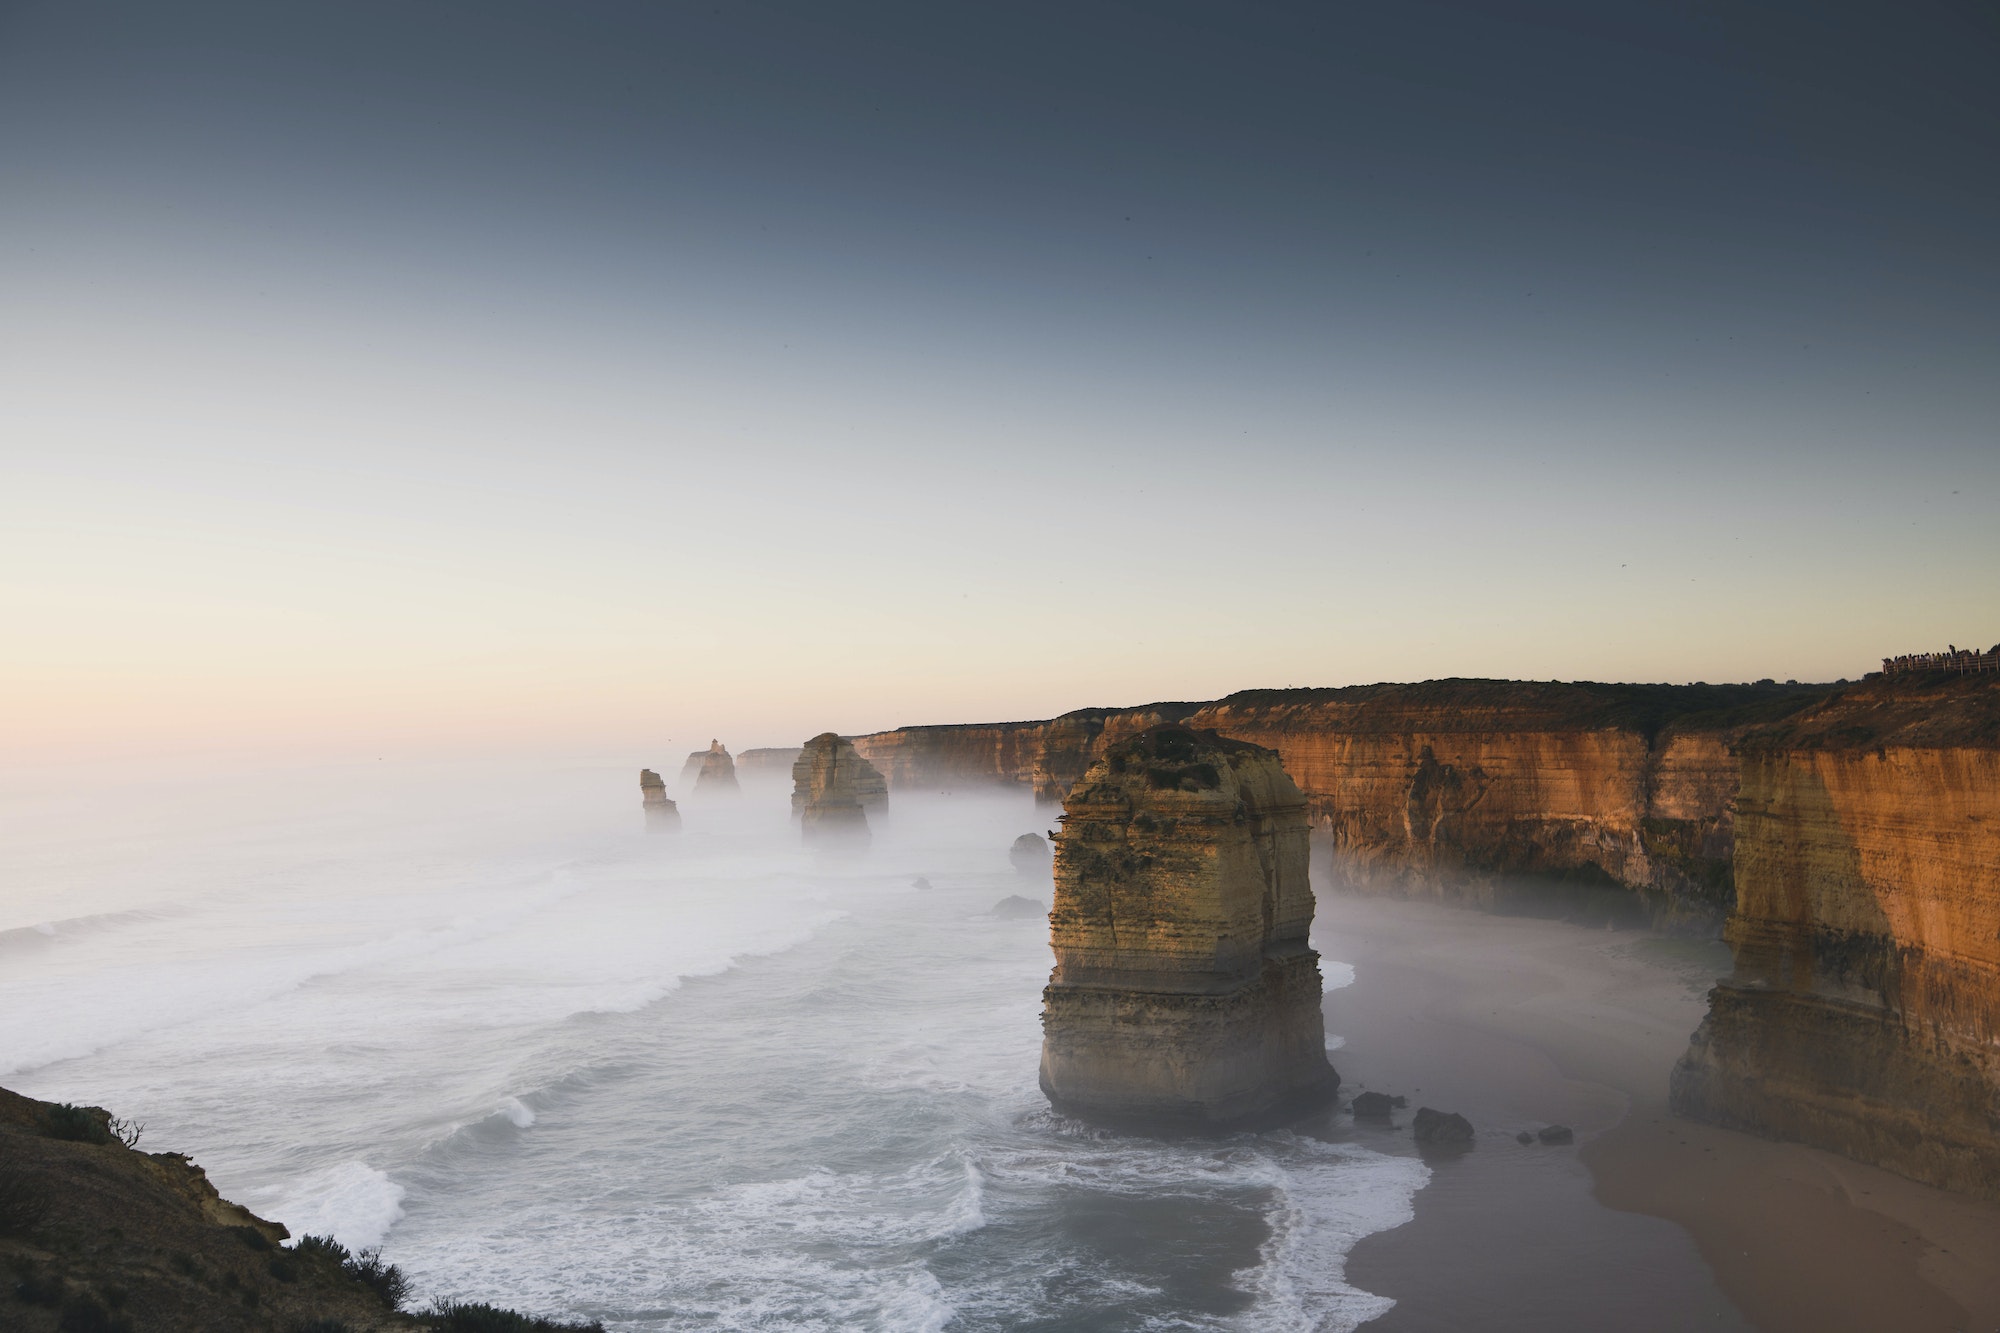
1184,996
661,813
1030,854
833,788
717,772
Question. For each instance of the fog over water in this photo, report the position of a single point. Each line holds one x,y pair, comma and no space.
478,1016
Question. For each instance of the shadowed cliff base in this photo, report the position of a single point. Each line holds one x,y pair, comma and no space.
1185,997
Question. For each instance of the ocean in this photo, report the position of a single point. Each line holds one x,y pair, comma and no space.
478,1016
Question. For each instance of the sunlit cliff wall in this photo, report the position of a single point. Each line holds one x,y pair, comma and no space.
1863,1014
1444,787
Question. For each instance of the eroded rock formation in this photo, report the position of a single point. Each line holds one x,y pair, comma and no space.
716,772
833,787
1863,1014
661,813
1446,788
1184,995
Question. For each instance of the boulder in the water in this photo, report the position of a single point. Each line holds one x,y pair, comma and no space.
1016,908
1441,1126
1372,1105
1030,854
920,883
1524,1137
1556,1134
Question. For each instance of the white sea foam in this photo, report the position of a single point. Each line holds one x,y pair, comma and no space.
353,1202
516,1113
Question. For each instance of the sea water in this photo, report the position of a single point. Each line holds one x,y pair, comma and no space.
480,1017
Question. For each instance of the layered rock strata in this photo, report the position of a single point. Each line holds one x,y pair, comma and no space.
833,788
1447,788
1184,995
717,772
661,813
1863,1013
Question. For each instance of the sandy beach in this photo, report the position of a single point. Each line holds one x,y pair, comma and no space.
1648,1222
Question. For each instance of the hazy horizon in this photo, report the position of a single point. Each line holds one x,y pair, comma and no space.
604,378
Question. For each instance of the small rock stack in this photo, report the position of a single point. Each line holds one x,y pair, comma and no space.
661,813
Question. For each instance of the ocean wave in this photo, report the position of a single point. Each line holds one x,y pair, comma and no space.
352,1202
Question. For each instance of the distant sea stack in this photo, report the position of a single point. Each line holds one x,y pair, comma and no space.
1863,1014
833,787
1184,996
661,813
717,771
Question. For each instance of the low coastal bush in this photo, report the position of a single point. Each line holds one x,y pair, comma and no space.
366,1267
475,1317
89,1124
323,1326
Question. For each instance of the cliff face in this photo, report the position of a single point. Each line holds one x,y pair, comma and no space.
1184,993
833,787
768,762
1442,788
1863,1014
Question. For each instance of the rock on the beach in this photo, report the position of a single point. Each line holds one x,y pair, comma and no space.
1030,854
1556,1134
1373,1105
1441,1126
661,813
1185,995
1014,907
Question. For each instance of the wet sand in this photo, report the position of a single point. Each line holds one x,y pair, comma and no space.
1648,1222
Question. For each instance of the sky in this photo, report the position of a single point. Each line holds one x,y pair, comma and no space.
613,375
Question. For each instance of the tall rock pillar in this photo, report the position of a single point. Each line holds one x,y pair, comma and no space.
833,788
1185,995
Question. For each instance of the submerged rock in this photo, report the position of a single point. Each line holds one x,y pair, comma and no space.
1440,1126
717,771
1014,908
1373,1105
832,789
1524,1137
1184,994
1030,854
661,813
920,883
1556,1134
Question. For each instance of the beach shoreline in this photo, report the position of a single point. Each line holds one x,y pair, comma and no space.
1649,1221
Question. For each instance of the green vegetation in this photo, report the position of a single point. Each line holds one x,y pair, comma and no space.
366,1267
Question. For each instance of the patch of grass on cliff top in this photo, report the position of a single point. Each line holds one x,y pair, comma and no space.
1583,705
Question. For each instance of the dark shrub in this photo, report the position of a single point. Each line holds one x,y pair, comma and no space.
477,1317
251,1238
323,1326
385,1280
24,1202
77,1124
321,1247
283,1267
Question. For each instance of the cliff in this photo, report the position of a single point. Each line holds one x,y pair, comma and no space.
768,762
96,1235
1446,787
833,787
1184,994
661,813
1863,1013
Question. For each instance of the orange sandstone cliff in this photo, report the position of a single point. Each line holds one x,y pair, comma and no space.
1863,1014
1444,787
